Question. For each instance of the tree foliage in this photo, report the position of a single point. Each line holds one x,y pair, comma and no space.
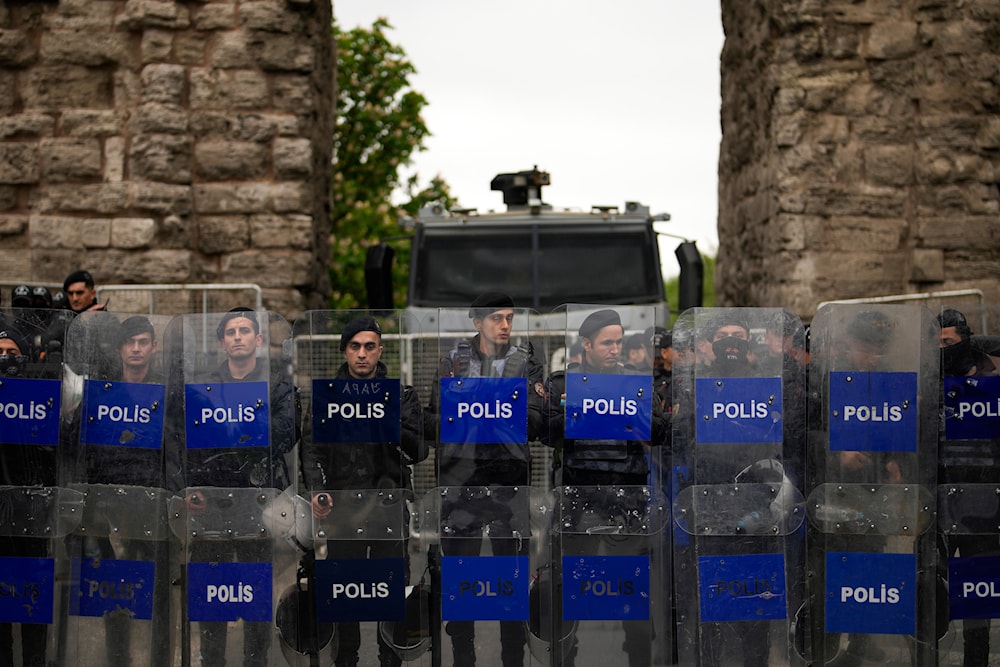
378,128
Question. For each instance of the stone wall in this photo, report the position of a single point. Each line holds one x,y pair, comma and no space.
153,141
860,150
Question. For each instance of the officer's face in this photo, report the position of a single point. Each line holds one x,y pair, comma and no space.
239,340
80,296
138,350
605,347
949,336
496,326
7,346
362,353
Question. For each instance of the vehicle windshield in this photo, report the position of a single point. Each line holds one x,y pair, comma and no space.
540,266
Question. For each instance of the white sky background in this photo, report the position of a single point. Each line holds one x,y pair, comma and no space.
617,100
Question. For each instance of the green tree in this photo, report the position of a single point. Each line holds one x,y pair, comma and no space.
377,130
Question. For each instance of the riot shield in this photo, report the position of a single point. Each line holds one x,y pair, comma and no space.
114,412
608,601
968,489
35,513
870,483
363,431
485,409
231,440
738,456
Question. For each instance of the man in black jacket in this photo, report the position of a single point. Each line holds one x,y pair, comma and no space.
383,466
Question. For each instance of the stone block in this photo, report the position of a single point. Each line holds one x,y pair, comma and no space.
292,158
190,48
82,15
16,49
89,48
290,197
12,225
154,117
927,265
231,198
891,39
219,235
19,163
8,197
156,46
160,266
270,16
26,125
16,262
274,231
127,87
214,16
230,50
282,52
228,89
95,232
144,14
230,160
50,231
162,198
292,92
92,123
132,233
163,83
273,268
889,165
71,159
161,157
7,102
58,87
114,159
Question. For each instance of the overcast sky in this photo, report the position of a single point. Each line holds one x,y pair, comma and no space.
618,101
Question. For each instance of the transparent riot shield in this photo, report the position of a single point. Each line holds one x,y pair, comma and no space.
231,444
608,598
363,432
485,409
738,459
35,512
968,488
870,486
114,411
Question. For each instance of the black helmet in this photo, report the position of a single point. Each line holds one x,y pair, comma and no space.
300,634
410,638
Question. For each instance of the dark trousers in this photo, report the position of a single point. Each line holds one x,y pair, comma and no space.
33,635
256,636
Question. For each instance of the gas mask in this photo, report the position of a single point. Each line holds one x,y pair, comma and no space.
12,365
730,356
957,359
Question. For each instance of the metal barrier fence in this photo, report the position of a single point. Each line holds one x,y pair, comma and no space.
180,298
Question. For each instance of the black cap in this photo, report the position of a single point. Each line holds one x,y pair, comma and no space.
41,297
18,338
133,326
950,317
662,339
872,327
235,313
356,326
20,296
78,276
598,320
489,302
728,317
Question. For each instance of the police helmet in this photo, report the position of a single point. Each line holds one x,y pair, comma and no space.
411,637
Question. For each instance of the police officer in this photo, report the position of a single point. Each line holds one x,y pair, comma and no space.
239,335
22,465
600,462
967,461
490,353
81,291
364,465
